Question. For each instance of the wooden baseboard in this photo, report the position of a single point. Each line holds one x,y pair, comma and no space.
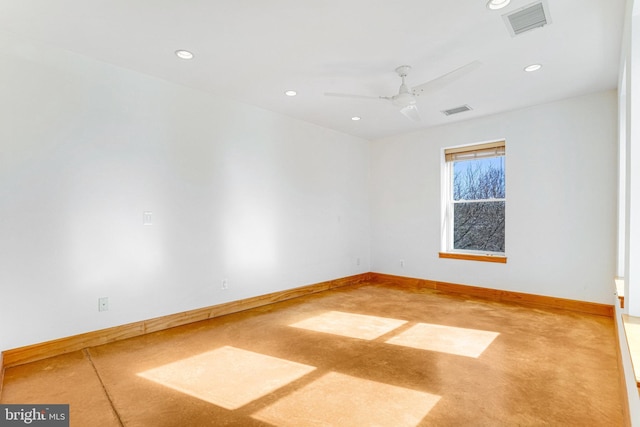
31,353
1,373
498,295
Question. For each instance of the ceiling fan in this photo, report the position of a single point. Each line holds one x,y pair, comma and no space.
406,97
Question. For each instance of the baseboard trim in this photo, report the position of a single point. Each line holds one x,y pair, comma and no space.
32,353
1,374
499,295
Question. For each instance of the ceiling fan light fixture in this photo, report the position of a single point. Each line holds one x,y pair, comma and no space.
497,4
184,54
411,112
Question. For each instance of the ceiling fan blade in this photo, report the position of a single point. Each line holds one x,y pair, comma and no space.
411,111
347,95
445,79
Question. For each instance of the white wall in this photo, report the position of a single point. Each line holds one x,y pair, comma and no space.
237,193
262,200
561,200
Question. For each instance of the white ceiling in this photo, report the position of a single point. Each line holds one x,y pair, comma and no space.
253,50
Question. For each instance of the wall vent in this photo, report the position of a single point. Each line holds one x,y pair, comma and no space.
456,110
527,18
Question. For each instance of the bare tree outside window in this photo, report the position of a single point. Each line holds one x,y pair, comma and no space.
479,204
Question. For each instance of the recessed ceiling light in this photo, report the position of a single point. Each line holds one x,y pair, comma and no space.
497,4
355,118
184,54
291,93
532,67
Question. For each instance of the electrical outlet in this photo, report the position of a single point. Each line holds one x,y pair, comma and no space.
103,304
225,284
358,261
401,263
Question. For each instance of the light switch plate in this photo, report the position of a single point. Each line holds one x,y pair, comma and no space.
147,218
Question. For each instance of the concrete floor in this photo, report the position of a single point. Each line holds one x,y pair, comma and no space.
355,356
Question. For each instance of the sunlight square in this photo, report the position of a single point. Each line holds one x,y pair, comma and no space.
228,377
445,339
343,400
350,325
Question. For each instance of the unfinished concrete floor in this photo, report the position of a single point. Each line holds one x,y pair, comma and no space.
356,356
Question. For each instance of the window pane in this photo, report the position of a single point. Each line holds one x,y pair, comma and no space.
479,179
479,226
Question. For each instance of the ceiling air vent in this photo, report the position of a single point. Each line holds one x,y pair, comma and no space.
527,18
456,110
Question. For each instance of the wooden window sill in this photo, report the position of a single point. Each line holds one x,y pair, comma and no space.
632,332
620,291
472,257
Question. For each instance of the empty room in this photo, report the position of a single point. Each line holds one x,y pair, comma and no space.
296,213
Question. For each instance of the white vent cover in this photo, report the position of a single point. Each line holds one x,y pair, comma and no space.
457,110
527,18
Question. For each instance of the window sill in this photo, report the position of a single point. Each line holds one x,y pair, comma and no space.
632,332
473,257
620,291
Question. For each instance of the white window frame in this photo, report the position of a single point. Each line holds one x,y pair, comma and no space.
466,152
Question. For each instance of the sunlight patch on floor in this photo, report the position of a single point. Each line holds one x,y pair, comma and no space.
445,339
228,377
350,325
342,400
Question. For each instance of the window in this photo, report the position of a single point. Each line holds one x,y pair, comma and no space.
474,202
